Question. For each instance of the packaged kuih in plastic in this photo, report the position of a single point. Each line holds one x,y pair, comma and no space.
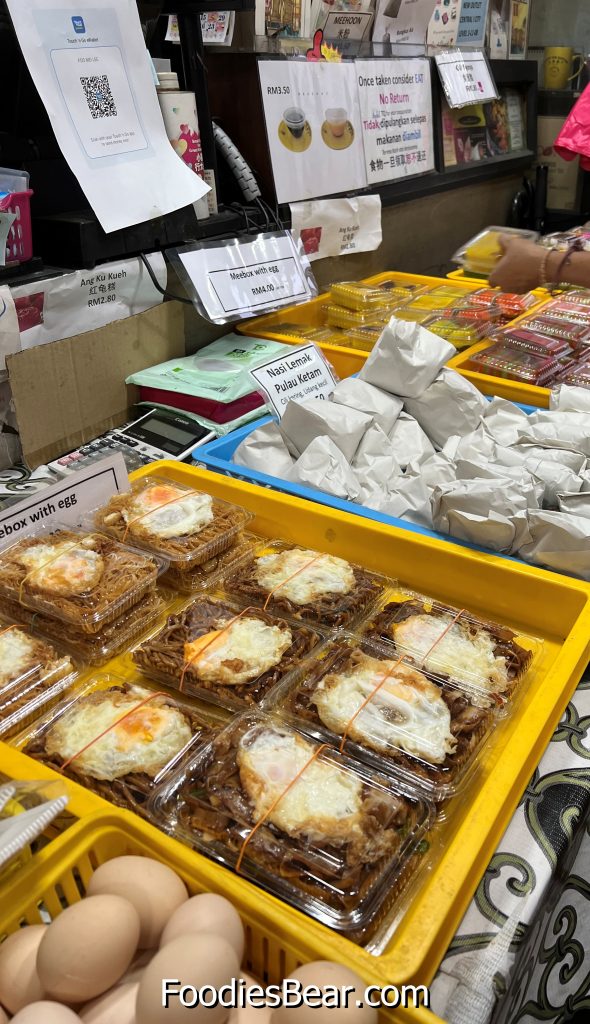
576,375
507,303
207,574
360,298
32,674
324,833
460,334
486,659
364,338
306,585
177,522
75,576
500,360
116,737
346,319
221,652
113,638
563,309
577,335
531,341
387,713
482,252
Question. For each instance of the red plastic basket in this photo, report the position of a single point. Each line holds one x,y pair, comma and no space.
19,244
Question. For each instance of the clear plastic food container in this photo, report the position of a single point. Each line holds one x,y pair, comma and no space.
577,335
320,831
531,341
360,298
486,659
206,575
339,316
461,334
113,638
481,253
563,309
306,585
32,674
387,713
218,651
183,525
117,737
78,577
500,360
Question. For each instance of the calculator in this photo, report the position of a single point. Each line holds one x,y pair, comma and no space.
158,434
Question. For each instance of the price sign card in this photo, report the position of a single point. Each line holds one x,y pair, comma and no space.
466,78
66,500
303,373
396,110
232,279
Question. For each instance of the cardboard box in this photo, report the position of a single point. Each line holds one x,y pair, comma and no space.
71,391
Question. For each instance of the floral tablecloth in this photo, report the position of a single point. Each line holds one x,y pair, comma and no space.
522,951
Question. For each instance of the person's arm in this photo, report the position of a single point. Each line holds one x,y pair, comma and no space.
526,265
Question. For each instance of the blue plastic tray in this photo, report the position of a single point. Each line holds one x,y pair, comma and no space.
217,456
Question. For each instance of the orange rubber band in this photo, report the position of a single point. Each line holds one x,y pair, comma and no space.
114,725
292,577
213,640
276,802
387,676
148,512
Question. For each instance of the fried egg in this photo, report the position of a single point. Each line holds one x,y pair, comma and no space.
325,803
408,711
303,576
146,741
65,567
16,655
239,653
166,511
455,653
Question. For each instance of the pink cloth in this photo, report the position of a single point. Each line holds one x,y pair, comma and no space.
574,137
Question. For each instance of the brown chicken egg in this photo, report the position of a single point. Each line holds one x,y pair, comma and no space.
19,981
88,948
207,912
154,889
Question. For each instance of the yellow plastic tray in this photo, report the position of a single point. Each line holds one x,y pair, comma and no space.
273,949
345,361
528,599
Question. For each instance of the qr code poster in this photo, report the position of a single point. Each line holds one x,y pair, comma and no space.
98,95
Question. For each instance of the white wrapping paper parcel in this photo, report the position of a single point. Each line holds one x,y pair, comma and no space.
406,359
500,479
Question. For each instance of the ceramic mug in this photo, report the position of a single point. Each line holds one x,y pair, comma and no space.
558,64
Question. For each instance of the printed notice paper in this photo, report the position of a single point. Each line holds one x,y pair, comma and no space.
66,500
401,23
303,374
466,78
61,307
231,279
336,227
89,63
396,113
313,127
